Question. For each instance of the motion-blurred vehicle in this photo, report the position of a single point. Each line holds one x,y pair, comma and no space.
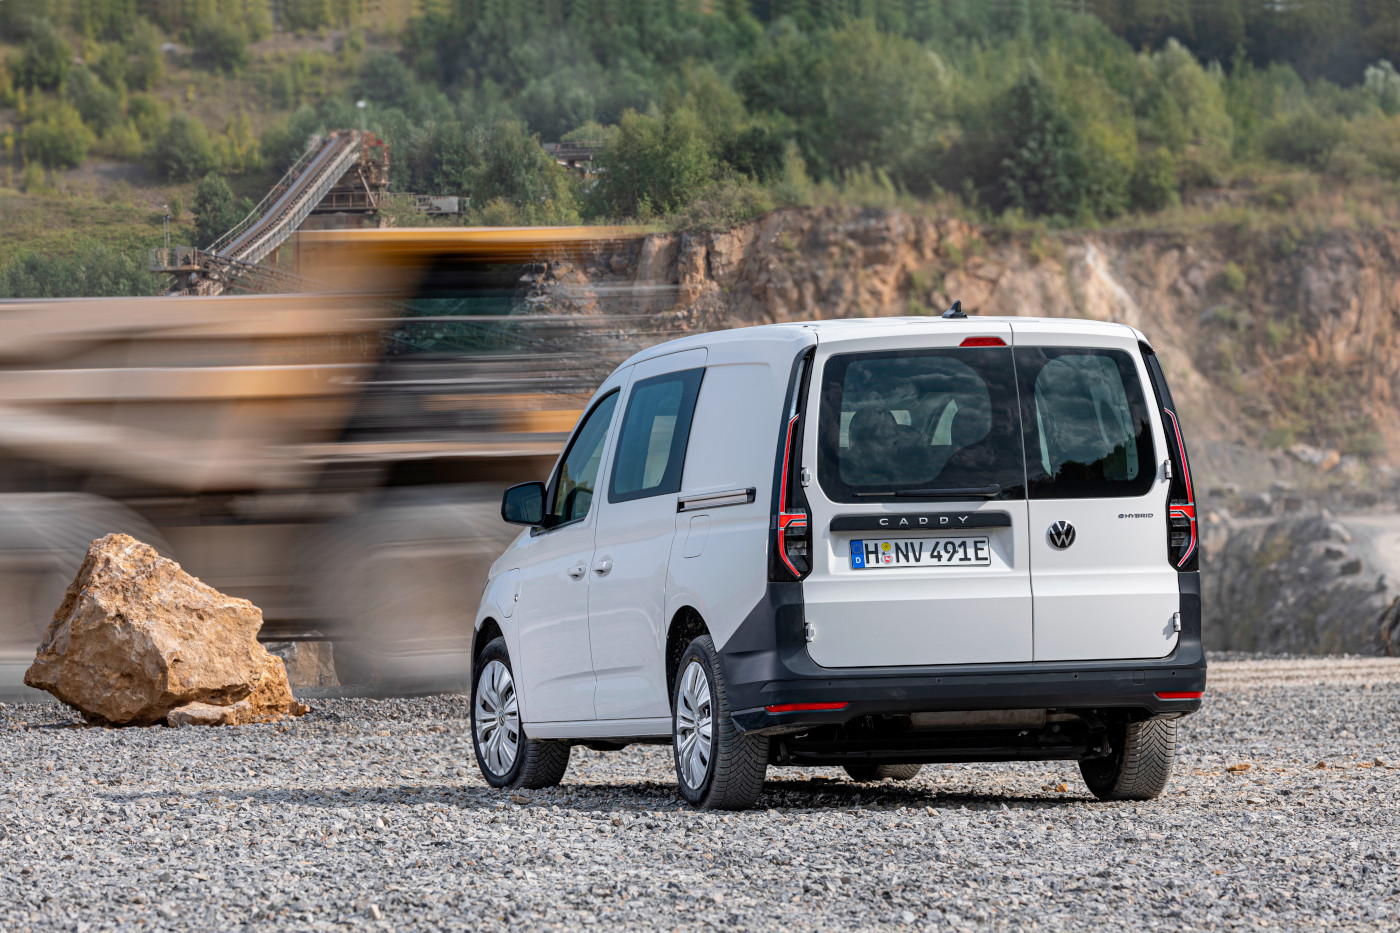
872,544
336,458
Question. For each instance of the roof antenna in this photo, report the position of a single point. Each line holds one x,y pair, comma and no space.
955,311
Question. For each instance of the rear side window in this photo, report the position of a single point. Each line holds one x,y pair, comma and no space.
919,420
655,430
1086,426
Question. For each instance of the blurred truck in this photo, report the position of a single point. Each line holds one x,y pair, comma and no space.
335,457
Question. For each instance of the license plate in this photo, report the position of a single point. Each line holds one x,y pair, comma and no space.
869,553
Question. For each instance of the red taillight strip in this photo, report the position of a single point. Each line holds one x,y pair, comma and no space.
786,519
983,342
804,707
1182,695
1187,511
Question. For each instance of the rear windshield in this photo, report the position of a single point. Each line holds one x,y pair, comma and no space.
919,420
947,420
1087,433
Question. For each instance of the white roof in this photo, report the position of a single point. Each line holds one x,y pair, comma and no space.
842,329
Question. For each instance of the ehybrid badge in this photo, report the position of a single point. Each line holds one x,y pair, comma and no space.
1061,535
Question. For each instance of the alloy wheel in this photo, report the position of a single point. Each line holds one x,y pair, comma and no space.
694,725
497,718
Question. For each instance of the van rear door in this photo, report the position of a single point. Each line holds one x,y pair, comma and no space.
918,513
1098,491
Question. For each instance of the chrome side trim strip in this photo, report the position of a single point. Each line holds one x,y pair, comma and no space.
714,500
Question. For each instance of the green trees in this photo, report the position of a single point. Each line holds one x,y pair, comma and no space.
220,46
1042,170
655,164
503,163
183,151
99,104
57,138
215,211
94,270
44,60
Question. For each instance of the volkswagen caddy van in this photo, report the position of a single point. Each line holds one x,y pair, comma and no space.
868,544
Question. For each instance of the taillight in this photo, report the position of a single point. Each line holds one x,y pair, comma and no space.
794,531
1182,537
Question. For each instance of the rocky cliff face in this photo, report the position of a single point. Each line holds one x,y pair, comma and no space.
1281,348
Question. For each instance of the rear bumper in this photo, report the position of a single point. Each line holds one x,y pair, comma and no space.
759,675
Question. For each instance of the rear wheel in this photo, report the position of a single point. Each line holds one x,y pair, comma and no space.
1140,764
867,773
717,766
506,756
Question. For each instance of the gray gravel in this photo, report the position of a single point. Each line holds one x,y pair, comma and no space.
369,814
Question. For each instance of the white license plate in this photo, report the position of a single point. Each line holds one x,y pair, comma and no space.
869,553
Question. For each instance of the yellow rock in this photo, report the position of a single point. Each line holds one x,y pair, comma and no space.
136,637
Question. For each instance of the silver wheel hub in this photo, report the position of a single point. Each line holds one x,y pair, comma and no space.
694,725
497,718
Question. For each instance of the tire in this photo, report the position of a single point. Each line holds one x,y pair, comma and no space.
867,773
723,770
1140,764
524,763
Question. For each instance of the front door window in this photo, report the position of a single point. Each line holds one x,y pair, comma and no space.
578,474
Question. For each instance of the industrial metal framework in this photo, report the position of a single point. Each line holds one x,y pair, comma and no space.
345,170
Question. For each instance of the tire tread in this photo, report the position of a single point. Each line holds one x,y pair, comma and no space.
542,762
1144,765
740,759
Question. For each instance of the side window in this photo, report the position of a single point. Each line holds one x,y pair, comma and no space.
655,429
578,473
1086,424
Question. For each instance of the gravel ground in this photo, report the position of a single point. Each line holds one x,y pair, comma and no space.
369,814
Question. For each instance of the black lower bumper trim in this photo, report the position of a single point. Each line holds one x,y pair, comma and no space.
766,664
1004,688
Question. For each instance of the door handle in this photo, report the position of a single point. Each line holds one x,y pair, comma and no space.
578,570
602,567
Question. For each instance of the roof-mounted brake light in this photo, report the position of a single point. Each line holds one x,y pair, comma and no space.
983,342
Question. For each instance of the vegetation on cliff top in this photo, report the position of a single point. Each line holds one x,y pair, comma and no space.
1072,111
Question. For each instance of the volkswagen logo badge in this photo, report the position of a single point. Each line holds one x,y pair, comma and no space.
1061,535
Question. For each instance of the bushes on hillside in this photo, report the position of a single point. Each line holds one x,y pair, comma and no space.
215,211
99,105
145,66
93,270
220,46
1041,167
654,164
183,152
57,137
44,59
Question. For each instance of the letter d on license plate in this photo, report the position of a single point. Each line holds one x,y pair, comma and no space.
867,553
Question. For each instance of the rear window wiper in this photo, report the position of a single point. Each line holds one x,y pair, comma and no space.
985,492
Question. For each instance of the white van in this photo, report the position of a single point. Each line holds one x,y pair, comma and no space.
862,543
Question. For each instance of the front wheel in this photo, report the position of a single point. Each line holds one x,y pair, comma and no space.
717,766
1139,765
506,756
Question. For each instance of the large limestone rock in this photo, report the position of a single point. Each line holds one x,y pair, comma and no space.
136,639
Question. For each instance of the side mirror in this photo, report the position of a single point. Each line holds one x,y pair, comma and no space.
524,504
